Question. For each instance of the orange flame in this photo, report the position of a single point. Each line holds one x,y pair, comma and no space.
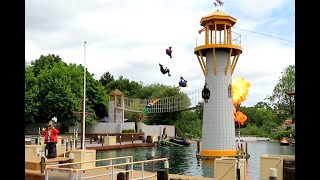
240,88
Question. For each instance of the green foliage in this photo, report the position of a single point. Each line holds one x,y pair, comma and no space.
127,87
131,116
106,78
45,62
199,110
155,91
128,131
31,91
189,125
283,104
284,133
253,130
54,88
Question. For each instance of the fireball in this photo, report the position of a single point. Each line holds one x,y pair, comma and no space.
240,89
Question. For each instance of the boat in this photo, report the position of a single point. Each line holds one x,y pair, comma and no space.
180,141
284,142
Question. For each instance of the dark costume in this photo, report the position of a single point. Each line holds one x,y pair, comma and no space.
164,133
206,93
169,52
50,137
149,105
182,82
164,71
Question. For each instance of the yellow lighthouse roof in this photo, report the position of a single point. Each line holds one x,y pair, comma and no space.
218,15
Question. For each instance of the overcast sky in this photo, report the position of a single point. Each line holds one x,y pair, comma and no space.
129,38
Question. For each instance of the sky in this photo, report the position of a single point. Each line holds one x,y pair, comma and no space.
129,38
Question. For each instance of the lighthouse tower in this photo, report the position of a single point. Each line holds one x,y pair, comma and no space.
218,56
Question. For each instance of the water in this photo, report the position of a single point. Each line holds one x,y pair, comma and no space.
182,160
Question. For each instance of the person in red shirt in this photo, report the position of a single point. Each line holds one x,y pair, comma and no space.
50,134
169,52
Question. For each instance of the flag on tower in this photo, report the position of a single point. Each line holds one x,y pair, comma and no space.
218,3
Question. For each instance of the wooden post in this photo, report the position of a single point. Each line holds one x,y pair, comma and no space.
272,174
67,144
166,170
43,162
246,147
127,173
102,140
132,138
120,139
70,142
127,168
64,149
152,163
71,159
241,150
198,146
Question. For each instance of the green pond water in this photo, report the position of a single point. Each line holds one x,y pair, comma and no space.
182,160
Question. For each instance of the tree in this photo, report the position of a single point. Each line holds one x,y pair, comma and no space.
280,100
57,90
106,78
31,91
127,87
45,62
199,110
189,125
157,91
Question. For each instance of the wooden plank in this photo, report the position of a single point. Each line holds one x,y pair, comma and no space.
33,163
37,175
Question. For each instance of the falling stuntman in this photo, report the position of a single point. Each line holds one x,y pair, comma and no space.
164,71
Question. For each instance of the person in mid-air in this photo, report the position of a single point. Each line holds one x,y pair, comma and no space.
169,52
149,105
182,82
206,92
164,71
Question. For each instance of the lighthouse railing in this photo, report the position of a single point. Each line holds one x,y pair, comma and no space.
235,39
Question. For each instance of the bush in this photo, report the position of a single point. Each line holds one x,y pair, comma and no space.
128,131
285,133
253,130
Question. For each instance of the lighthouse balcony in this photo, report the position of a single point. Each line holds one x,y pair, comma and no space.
218,40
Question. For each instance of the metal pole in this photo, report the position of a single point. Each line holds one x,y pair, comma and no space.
238,155
84,98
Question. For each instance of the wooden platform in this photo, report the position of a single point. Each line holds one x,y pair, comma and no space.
33,175
33,163
122,146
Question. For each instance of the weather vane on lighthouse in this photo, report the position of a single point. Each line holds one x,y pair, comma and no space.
218,3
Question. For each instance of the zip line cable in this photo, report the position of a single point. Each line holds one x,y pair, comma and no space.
290,41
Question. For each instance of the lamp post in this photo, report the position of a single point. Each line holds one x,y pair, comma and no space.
84,98
290,94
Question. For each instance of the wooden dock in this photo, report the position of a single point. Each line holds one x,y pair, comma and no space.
118,146
37,175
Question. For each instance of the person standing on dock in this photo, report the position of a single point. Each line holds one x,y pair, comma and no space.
50,138
121,176
164,133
